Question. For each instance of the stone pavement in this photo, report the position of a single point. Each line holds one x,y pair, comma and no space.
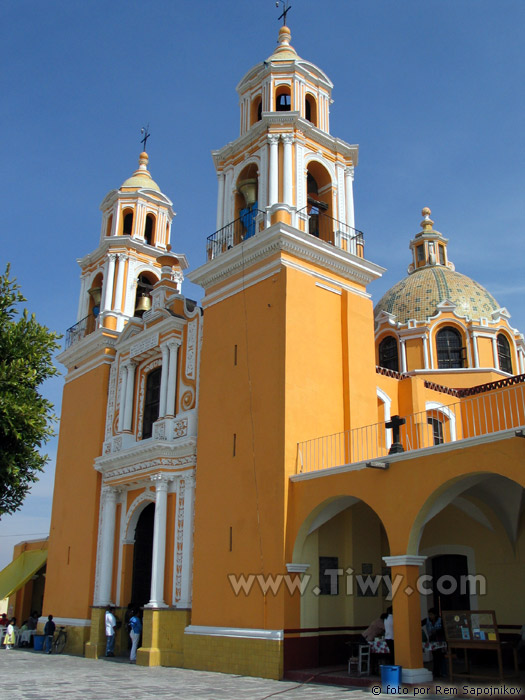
32,675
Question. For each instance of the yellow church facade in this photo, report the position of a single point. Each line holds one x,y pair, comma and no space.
267,473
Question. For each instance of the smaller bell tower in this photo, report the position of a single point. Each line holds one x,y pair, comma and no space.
118,276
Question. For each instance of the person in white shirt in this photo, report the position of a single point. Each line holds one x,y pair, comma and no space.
389,633
111,623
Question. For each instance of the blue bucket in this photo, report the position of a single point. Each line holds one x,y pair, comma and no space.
390,679
38,641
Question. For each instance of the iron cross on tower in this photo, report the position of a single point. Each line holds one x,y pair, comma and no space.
286,9
146,133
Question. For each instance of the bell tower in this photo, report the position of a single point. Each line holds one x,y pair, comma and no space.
285,166
288,348
118,276
117,281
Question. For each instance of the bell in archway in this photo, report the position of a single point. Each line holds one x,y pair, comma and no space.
95,293
143,304
248,189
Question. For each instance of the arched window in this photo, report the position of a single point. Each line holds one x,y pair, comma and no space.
127,226
388,356
450,350
109,225
504,358
151,402
149,229
437,430
256,110
310,109
283,100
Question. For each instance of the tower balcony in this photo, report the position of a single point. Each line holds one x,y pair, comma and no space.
310,220
81,329
483,413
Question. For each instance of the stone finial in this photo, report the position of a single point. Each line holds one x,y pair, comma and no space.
427,223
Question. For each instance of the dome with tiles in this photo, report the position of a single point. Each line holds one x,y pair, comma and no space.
433,280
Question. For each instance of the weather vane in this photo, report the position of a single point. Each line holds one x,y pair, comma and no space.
286,8
145,131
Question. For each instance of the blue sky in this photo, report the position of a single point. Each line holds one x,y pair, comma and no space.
432,91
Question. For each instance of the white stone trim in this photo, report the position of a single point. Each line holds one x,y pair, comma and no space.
387,401
405,560
68,621
416,675
297,568
238,632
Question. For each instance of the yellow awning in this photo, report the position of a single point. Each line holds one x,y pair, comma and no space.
19,571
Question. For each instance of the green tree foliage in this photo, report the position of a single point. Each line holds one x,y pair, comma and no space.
26,352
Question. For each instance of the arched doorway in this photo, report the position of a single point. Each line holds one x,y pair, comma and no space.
342,544
142,557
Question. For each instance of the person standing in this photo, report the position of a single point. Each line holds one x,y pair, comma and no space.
389,633
10,637
49,633
135,631
111,624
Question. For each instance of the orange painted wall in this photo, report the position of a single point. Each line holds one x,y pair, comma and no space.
74,521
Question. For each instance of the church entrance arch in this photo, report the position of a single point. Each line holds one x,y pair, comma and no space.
142,556
341,545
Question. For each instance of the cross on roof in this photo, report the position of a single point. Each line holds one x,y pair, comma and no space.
286,9
146,133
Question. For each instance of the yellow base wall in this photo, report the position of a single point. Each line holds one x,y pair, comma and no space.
262,658
163,638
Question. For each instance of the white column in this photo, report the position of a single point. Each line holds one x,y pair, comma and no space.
159,542
107,537
273,194
187,543
287,169
122,406
475,349
173,347
349,197
164,380
120,282
107,292
130,388
220,201
403,356
83,302
495,352
425,351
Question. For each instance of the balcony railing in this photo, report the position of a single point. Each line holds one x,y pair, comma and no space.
234,233
84,327
474,416
332,231
319,224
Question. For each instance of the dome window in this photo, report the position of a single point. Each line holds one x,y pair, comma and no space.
283,99
442,254
149,230
420,254
504,358
388,355
450,350
127,226
151,402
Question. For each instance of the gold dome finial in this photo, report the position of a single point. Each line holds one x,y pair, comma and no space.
427,222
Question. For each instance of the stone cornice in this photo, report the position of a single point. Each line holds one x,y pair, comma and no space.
90,345
282,238
285,119
155,198
147,450
122,244
265,69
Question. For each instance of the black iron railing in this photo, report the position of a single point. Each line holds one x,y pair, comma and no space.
330,230
84,327
246,226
